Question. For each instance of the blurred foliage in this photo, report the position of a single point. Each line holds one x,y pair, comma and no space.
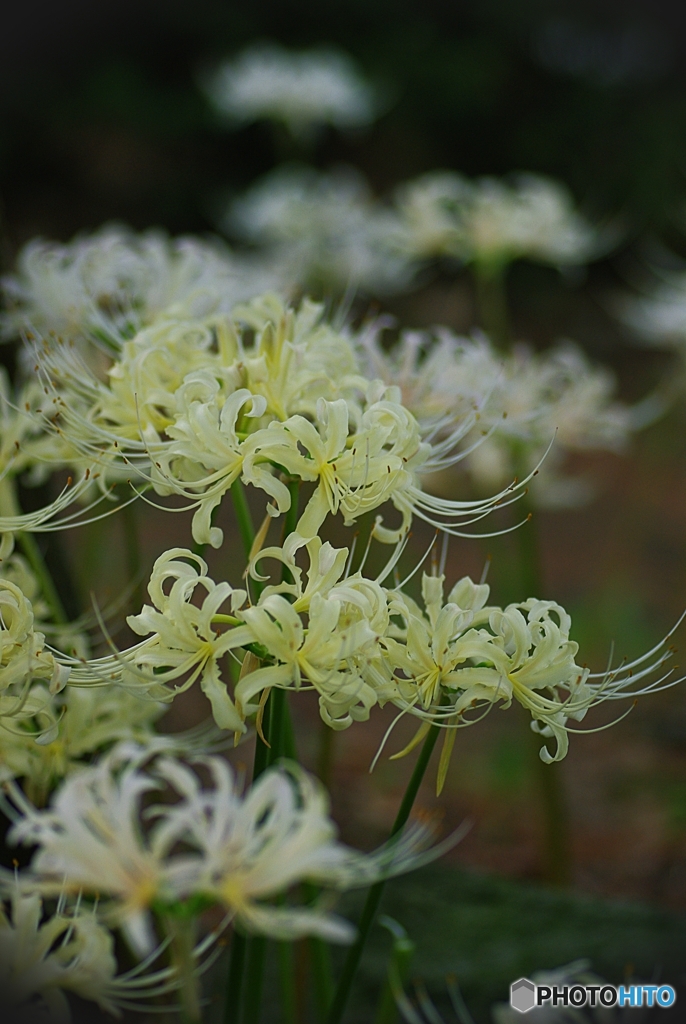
489,931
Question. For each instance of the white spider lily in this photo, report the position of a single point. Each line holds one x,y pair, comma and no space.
239,851
89,719
108,285
23,659
428,216
90,840
253,848
337,654
466,655
25,446
657,314
490,222
144,381
41,959
323,657
304,408
354,474
184,640
119,422
297,357
323,227
303,90
503,410
207,455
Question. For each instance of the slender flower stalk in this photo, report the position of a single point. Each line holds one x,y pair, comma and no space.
557,848
375,893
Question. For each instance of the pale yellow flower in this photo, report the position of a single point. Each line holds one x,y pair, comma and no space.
41,959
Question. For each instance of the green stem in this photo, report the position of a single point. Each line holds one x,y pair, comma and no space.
234,986
182,934
243,516
133,556
27,542
491,295
275,726
322,975
254,976
375,893
557,869
557,860
287,981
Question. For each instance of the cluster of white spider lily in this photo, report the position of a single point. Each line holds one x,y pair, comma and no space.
213,845
44,956
327,231
302,90
323,227
520,402
491,222
358,644
151,370
188,407
112,283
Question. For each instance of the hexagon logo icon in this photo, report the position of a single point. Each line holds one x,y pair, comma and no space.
522,995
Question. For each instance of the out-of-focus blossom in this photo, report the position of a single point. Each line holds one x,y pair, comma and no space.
302,90
110,284
24,658
323,228
490,222
518,403
236,850
40,959
659,315
89,719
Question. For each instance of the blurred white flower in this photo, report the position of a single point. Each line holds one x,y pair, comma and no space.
659,315
90,839
324,228
255,846
44,957
90,719
41,959
237,850
431,212
510,406
110,284
301,89
490,222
